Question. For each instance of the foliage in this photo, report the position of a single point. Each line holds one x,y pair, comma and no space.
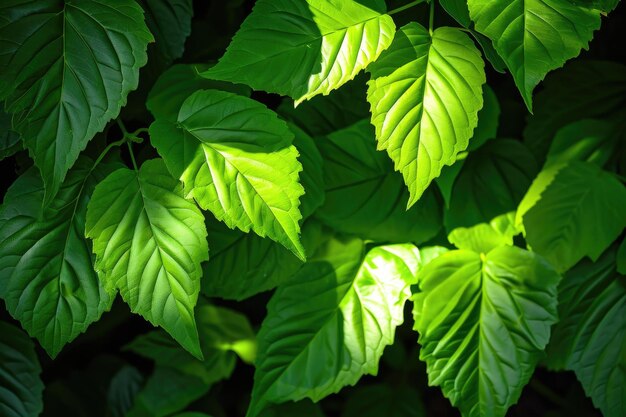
314,191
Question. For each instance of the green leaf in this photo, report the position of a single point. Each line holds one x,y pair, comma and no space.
170,23
245,264
581,90
604,5
236,159
179,82
306,47
21,388
384,400
222,333
9,140
484,321
590,339
492,182
425,93
580,213
312,175
304,408
48,281
149,242
323,115
67,67
534,37
364,196
123,388
328,326
484,237
167,391
458,10
621,258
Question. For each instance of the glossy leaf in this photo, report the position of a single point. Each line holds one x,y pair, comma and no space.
48,281
425,93
492,182
534,37
364,196
329,325
20,385
484,237
590,339
236,159
580,213
149,242
67,67
330,40
484,321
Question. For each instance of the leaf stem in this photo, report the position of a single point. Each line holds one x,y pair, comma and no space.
403,8
132,155
431,18
106,151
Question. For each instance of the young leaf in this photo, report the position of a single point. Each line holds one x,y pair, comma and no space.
484,237
179,82
534,37
302,48
235,158
425,93
492,182
149,242
364,196
590,339
170,23
329,325
48,281
21,388
484,321
384,400
67,67
580,213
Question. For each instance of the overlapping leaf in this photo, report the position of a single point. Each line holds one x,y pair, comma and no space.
149,242
302,48
170,23
48,281
534,37
236,159
484,237
329,325
67,67
425,94
20,385
9,140
484,321
364,196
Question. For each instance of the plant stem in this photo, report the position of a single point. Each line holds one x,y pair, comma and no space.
406,6
107,149
431,18
122,127
132,156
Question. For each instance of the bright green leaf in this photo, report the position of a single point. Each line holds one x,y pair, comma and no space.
236,159
329,325
303,48
590,339
20,386
580,213
425,93
67,67
484,237
534,37
364,196
458,10
149,242
48,281
483,323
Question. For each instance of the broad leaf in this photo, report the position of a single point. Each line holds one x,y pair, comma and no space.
604,5
20,386
236,159
179,82
534,37
329,325
492,182
149,242
484,321
580,213
582,89
123,389
302,48
590,339
364,196
312,175
484,237
425,93
9,140
384,400
48,281
67,67
170,23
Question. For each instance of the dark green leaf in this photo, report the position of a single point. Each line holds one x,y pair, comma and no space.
170,23
9,140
